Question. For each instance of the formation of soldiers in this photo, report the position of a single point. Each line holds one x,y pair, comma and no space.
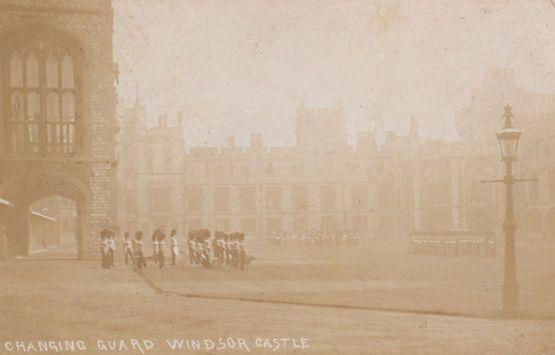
315,237
203,250
223,249
452,247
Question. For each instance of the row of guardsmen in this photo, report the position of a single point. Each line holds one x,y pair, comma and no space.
134,250
222,249
452,247
202,250
339,238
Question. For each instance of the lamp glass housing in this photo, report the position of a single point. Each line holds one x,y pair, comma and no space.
508,139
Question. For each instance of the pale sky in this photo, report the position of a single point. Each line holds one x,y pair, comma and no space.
241,66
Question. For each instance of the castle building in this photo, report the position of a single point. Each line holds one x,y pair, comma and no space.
321,183
324,184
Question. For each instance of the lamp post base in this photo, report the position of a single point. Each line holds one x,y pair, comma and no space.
510,300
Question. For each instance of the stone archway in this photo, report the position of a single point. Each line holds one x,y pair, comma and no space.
24,191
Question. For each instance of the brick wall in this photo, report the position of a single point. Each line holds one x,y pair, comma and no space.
92,170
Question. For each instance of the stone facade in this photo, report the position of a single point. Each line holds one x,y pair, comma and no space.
322,183
58,113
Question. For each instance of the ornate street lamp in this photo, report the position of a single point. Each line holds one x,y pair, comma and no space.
508,138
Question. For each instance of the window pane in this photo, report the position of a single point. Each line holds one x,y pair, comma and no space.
17,106
32,71
64,134
52,109
49,131
69,107
18,137
67,72
71,135
33,106
58,135
33,133
51,72
16,71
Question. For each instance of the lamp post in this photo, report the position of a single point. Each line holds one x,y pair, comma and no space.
508,138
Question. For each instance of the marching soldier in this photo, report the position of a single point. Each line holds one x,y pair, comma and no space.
138,250
127,248
174,246
111,249
192,248
241,251
227,250
206,252
155,246
161,258
104,246
235,251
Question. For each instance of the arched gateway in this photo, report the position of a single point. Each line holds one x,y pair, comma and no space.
57,115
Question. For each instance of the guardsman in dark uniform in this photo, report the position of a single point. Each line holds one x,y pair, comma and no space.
174,246
139,251
206,251
127,248
104,246
161,257
155,246
192,246
111,249
241,252
227,249
235,250
221,248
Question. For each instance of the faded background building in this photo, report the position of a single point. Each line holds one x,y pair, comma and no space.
324,184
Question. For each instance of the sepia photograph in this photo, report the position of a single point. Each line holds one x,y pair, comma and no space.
277,176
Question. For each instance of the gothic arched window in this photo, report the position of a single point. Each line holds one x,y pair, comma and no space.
41,95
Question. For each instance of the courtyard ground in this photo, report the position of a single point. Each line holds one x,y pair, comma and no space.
68,299
380,275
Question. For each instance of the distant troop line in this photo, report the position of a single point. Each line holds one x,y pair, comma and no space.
315,238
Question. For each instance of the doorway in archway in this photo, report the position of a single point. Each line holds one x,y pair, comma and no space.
54,227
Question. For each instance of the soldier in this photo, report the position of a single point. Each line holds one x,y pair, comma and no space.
227,249
104,245
192,248
161,258
235,250
174,246
242,255
155,246
206,251
219,248
111,249
127,248
138,250
214,243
